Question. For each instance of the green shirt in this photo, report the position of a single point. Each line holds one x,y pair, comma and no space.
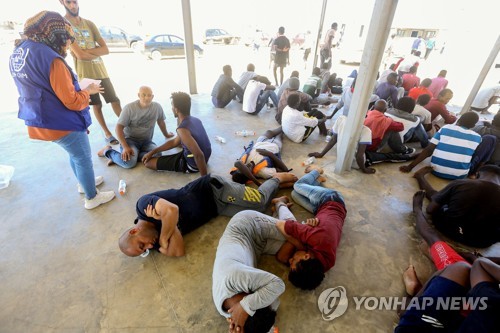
86,35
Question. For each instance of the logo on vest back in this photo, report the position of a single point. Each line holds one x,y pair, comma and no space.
18,59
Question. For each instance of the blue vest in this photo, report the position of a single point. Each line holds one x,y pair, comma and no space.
38,104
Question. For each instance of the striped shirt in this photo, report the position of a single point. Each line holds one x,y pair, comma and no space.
455,146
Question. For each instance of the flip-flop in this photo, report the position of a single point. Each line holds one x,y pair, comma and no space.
112,140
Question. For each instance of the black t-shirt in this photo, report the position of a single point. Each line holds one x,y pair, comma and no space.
195,201
281,42
470,212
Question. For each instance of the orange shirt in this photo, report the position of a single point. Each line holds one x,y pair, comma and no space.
417,91
61,82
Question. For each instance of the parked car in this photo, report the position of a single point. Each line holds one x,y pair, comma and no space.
116,37
167,45
219,36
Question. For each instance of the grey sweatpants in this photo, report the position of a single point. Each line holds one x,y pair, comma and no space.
232,198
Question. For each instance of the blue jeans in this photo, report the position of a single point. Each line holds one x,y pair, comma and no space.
262,100
419,134
140,149
80,158
309,193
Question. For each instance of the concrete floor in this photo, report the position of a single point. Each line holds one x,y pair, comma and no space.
62,271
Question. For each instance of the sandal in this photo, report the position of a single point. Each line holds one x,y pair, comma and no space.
112,140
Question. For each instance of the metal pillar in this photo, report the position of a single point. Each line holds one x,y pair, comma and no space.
380,25
482,75
320,29
189,44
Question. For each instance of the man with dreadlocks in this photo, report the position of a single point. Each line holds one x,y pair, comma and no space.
51,102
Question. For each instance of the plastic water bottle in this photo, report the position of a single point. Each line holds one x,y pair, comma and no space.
220,139
309,161
122,187
244,133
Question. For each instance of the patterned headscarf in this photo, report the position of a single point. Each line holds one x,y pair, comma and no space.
49,28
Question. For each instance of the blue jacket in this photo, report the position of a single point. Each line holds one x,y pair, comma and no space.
38,104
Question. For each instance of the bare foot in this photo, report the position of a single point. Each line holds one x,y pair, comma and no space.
277,202
418,201
101,152
285,177
411,281
321,179
422,172
312,167
110,163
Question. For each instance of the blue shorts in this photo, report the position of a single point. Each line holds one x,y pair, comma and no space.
430,319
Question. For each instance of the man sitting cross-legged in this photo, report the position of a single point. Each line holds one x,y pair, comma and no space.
261,160
164,216
135,130
243,293
320,236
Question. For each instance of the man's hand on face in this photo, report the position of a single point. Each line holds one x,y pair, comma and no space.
238,318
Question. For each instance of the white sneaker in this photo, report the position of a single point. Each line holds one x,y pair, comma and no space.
99,199
98,181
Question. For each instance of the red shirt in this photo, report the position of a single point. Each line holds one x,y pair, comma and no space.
380,124
410,81
322,240
436,108
417,91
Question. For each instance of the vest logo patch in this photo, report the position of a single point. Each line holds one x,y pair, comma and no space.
18,59
231,199
251,194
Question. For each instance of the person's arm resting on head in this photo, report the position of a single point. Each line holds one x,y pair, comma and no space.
171,242
246,172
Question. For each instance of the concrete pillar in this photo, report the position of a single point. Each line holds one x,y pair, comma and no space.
320,29
189,44
380,25
482,75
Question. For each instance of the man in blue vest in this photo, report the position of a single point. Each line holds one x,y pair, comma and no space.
262,159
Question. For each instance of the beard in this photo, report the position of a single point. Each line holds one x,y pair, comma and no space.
71,13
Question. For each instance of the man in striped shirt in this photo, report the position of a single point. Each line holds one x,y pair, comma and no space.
452,149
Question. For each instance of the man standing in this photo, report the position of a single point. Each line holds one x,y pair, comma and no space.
326,50
135,130
87,50
191,135
281,45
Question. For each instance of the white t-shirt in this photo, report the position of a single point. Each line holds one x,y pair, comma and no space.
484,95
252,92
294,123
255,157
245,78
407,124
365,138
424,114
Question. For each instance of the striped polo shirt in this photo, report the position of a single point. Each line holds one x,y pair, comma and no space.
455,146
